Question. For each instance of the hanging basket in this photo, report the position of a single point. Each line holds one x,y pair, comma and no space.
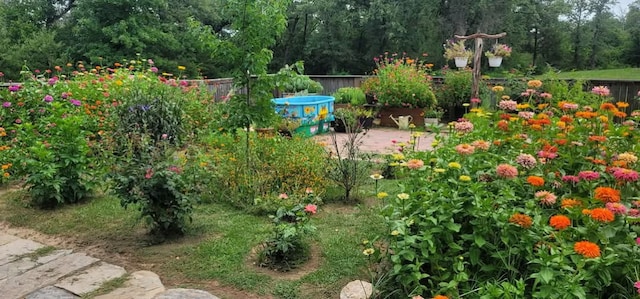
495,61
461,61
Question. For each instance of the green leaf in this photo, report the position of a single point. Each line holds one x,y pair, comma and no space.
479,240
545,275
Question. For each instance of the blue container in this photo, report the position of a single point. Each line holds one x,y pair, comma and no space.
308,109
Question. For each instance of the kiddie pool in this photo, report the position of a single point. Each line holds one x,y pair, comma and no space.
314,112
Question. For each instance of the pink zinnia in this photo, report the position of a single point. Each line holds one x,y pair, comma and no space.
283,196
481,144
569,106
547,155
601,91
546,95
570,179
506,171
311,208
589,175
616,208
637,284
463,127
625,175
415,163
526,114
546,197
527,161
633,212
149,174
465,149
508,105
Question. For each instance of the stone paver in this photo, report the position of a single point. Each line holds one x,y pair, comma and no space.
91,279
20,266
12,250
44,275
51,292
379,140
141,285
184,293
4,238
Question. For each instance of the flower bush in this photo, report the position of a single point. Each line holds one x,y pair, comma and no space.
539,204
401,82
500,50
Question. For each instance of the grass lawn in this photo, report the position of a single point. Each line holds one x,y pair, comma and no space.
614,74
215,255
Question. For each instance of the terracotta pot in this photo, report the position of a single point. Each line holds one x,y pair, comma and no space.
386,121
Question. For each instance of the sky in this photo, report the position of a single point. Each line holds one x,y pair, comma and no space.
621,7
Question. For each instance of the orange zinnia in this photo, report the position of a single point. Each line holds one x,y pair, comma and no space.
440,297
570,203
587,249
559,222
521,220
535,181
608,107
606,194
602,215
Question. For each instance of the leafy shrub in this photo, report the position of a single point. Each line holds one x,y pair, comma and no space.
456,89
252,177
401,82
350,95
538,201
285,249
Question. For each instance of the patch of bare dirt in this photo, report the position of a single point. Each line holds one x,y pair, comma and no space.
309,266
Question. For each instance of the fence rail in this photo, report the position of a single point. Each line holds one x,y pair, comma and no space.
621,90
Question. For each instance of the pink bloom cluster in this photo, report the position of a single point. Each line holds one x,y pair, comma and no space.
506,171
601,91
465,149
616,208
526,114
546,197
508,105
463,127
527,161
625,175
589,175
415,164
569,106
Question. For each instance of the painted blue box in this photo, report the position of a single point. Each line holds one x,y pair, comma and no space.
308,109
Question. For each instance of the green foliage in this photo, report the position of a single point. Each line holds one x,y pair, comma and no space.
401,82
456,89
277,165
350,95
286,249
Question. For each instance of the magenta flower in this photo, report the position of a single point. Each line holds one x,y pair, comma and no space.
637,242
625,175
64,95
154,69
53,81
637,284
48,98
14,88
475,101
546,95
6,104
588,175
570,179
616,208
18,121
150,61
149,173
75,102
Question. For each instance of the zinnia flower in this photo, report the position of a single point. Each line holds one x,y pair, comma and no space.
600,90
311,208
506,171
570,203
606,194
526,114
465,149
587,249
602,215
589,175
546,197
463,127
382,195
527,161
570,179
559,222
464,178
440,297
534,83
625,175
481,144
415,163
455,165
403,196
535,181
283,196
616,208
628,157
521,220
508,105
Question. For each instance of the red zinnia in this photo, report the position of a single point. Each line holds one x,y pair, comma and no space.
559,222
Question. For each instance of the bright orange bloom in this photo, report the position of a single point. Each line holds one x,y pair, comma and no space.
587,249
586,114
607,194
559,222
619,163
535,181
608,107
598,138
622,104
521,220
560,141
534,83
440,297
619,114
602,215
503,125
566,118
570,203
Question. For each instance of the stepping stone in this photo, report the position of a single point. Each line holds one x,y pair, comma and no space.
357,289
184,294
23,265
141,285
51,292
19,286
11,250
4,238
91,279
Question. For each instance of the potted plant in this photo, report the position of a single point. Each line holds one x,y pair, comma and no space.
346,119
432,117
402,87
458,52
365,117
287,126
347,96
497,52
293,82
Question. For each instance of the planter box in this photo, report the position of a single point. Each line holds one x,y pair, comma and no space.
386,121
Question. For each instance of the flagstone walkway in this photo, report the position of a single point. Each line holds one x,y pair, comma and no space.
380,140
31,270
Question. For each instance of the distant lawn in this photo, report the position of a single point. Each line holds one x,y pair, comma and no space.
613,74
